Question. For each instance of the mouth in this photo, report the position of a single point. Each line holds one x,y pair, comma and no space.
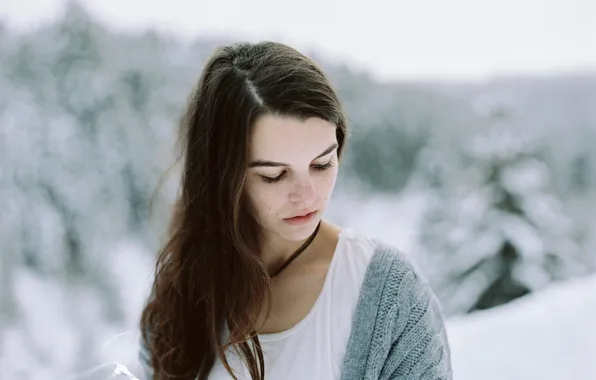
305,214
302,218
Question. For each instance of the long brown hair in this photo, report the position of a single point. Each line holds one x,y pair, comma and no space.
209,274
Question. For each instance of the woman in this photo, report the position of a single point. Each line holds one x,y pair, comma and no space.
253,282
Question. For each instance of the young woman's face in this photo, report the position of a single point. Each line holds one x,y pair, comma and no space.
292,172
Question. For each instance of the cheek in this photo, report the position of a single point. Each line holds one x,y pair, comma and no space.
264,200
327,184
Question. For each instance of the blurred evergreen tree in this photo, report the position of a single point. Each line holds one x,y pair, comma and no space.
496,231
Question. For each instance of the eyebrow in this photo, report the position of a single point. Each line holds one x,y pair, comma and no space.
265,163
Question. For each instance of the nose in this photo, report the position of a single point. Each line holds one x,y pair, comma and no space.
303,192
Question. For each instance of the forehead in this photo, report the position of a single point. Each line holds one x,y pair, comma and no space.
277,138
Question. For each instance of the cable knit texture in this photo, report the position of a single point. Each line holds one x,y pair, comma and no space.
398,331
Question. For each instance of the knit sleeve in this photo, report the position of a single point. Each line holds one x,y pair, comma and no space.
420,348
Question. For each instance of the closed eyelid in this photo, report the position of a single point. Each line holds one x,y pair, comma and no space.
323,159
289,169
276,169
267,163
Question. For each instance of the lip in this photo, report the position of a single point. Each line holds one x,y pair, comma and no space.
302,218
302,214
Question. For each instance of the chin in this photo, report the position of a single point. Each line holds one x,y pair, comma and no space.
299,232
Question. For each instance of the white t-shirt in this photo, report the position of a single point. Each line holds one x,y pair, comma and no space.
315,347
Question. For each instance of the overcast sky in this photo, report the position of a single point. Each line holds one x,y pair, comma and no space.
448,39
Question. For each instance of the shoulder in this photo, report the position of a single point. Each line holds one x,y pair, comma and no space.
356,246
385,264
376,252
397,283
391,282
398,327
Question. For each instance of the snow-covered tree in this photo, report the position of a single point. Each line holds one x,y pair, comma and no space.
495,230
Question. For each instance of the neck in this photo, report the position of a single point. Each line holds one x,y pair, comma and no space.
277,251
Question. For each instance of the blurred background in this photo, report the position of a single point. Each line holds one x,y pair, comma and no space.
473,149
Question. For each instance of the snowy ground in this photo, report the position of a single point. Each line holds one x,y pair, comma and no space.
550,335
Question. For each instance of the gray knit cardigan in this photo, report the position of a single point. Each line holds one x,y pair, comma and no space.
398,331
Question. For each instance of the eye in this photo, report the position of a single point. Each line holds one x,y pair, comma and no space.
318,167
273,179
322,167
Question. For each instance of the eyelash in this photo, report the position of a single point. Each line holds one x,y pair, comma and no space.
321,168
